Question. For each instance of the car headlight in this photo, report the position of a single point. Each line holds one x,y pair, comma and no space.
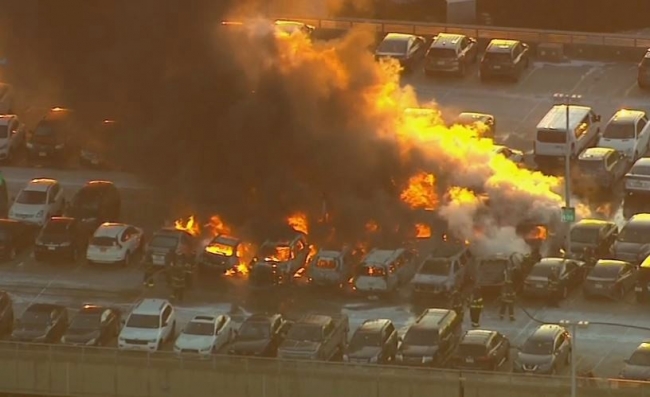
427,359
399,356
59,146
374,360
29,145
40,214
91,342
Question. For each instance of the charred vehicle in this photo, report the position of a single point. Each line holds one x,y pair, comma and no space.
442,272
316,337
223,253
570,274
332,268
170,246
286,254
492,271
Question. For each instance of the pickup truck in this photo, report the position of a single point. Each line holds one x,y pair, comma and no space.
492,270
316,337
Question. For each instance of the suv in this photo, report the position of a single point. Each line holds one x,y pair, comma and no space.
52,136
643,74
450,52
431,340
633,241
628,132
286,253
12,136
38,201
150,324
482,350
545,351
61,237
95,203
374,342
170,245
260,335
600,169
504,58
442,272
93,326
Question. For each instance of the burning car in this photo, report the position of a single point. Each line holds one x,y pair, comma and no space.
332,268
287,255
223,254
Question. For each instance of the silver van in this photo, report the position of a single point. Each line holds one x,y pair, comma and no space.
383,271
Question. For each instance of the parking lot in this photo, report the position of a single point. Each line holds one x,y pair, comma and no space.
517,107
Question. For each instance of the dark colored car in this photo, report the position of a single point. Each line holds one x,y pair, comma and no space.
481,350
264,276
637,367
260,335
408,49
610,278
507,58
633,241
100,145
431,340
170,245
643,71
95,203
223,253
6,314
41,323
53,136
61,237
592,239
374,342
635,203
15,237
600,169
450,53
93,326
571,274
545,352
637,188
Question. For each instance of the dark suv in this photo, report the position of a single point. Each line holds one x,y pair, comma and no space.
170,245
95,203
450,53
508,58
62,238
52,137
643,74
482,350
374,342
260,335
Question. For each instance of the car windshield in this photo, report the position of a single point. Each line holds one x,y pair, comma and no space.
436,267
4,131
640,358
31,197
308,333
472,349
148,321
86,199
275,253
220,249
162,241
585,235
104,241
448,53
541,347
619,131
199,328
420,337
640,170
89,321
373,271
363,339
634,234
591,166
392,47
326,263
254,331
605,271
645,62
551,136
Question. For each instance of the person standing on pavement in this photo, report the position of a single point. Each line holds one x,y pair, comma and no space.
149,273
507,301
178,282
554,288
476,307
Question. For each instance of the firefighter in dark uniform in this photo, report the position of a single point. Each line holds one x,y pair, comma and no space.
507,300
456,303
554,287
149,273
178,282
476,307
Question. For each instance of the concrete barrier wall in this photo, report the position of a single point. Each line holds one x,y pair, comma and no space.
91,372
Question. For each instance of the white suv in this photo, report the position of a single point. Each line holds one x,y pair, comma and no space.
628,131
12,136
150,324
41,199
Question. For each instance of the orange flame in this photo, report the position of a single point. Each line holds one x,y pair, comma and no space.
244,254
537,233
422,231
217,226
605,210
191,226
372,226
298,221
421,192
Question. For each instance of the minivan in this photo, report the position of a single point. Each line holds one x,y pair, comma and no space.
383,271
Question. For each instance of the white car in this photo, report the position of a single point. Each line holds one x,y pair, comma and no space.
12,136
628,132
637,180
513,155
114,243
205,335
149,326
37,202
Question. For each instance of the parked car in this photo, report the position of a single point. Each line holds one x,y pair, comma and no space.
170,245
600,170
450,53
592,239
285,252
41,199
115,243
633,241
374,342
330,268
382,272
431,339
95,203
93,325
571,274
53,137
15,237
60,238
628,132
492,271
41,323
316,337
637,367
504,58
260,335
407,49
610,278
442,272
205,335
6,314
481,350
151,324
12,136
223,253
546,351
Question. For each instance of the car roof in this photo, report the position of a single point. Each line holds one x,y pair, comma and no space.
375,325
315,319
477,336
610,263
555,118
431,318
501,45
591,224
642,161
546,330
475,115
329,254
551,262
150,306
61,219
402,37
382,257
639,218
225,240
595,153
443,40
40,184
110,229
627,116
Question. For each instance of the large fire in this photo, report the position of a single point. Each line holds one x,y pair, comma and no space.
190,225
372,226
421,192
422,231
298,222
537,233
216,226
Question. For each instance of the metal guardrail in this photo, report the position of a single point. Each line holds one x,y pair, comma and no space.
482,32
90,371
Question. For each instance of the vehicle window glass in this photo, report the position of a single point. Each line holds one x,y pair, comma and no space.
329,328
307,333
442,53
516,51
149,321
31,197
471,349
4,131
166,313
364,339
125,236
221,323
640,358
436,267
619,130
390,329
583,127
276,324
610,160
634,233
551,136
464,43
393,46
326,263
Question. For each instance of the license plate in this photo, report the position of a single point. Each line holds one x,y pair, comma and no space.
638,289
539,285
51,248
469,360
598,285
496,67
42,154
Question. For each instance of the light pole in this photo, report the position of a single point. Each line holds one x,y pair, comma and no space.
567,100
573,326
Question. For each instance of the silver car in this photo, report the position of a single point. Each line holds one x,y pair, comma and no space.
545,352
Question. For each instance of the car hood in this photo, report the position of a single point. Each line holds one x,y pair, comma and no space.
431,279
534,359
249,346
199,342
298,345
140,333
636,372
27,208
418,351
365,352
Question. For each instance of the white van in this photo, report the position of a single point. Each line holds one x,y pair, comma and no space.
628,132
383,271
551,138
